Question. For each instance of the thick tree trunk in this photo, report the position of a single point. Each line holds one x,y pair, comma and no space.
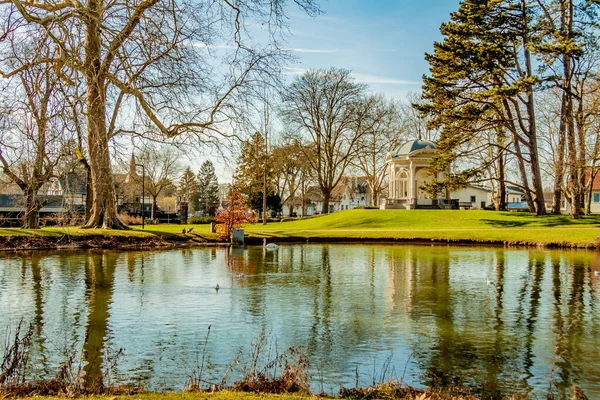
291,214
326,198
103,211
31,219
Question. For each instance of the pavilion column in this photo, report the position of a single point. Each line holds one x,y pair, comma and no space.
413,184
392,193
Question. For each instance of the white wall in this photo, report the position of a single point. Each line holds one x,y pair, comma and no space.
465,196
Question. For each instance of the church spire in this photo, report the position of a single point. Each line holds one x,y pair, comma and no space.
132,174
132,171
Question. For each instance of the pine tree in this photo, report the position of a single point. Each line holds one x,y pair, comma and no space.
208,193
188,189
253,164
481,91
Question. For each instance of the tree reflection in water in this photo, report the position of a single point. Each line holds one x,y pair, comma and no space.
498,320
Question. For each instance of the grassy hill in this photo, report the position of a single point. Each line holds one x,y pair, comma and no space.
469,226
451,225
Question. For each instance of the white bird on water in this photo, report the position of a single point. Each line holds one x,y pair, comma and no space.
270,246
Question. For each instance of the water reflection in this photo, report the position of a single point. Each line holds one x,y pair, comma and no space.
497,320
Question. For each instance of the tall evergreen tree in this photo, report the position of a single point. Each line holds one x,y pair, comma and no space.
480,92
188,189
253,164
208,193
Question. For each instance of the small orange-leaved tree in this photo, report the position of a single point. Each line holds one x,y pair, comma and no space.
235,215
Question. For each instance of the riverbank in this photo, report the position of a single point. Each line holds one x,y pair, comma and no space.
471,227
230,395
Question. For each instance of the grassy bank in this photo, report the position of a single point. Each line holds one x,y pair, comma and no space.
445,226
73,237
471,226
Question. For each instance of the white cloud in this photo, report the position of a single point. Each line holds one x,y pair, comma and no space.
373,79
294,71
301,50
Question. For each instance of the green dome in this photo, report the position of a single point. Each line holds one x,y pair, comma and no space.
412,146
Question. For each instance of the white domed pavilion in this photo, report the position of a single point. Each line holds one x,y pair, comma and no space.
408,171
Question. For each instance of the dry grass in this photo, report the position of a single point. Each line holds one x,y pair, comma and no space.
130,219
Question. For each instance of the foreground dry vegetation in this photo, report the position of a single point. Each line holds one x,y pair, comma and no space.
262,373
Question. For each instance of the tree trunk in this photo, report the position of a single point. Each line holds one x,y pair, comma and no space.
326,197
31,219
153,211
291,210
523,173
501,200
103,211
560,158
373,195
536,176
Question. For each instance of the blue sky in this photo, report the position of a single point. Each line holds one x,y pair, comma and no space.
382,41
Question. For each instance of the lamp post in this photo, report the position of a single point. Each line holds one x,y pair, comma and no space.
142,197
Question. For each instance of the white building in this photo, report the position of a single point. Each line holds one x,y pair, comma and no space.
409,171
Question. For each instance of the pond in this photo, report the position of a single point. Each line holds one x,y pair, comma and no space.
495,319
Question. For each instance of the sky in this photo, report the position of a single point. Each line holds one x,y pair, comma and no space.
383,43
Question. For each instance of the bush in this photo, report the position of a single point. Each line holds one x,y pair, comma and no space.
130,219
201,220
366,208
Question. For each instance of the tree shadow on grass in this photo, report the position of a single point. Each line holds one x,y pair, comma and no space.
545,221
505,224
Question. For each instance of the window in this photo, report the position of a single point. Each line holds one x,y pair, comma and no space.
596,197
473,199
402,185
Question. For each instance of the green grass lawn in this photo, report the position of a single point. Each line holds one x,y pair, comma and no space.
453,225
166,230
441,224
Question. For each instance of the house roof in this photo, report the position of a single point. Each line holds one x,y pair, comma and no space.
412,146
596,183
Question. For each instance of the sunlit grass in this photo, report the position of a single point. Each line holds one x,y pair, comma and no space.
472,225
173,230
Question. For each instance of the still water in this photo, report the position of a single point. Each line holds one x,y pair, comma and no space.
500,319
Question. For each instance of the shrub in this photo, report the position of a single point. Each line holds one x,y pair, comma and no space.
366,208
130,219
201,220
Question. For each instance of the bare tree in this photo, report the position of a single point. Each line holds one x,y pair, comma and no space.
290,166
162,167
34,132
155,57
322,106
383,131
